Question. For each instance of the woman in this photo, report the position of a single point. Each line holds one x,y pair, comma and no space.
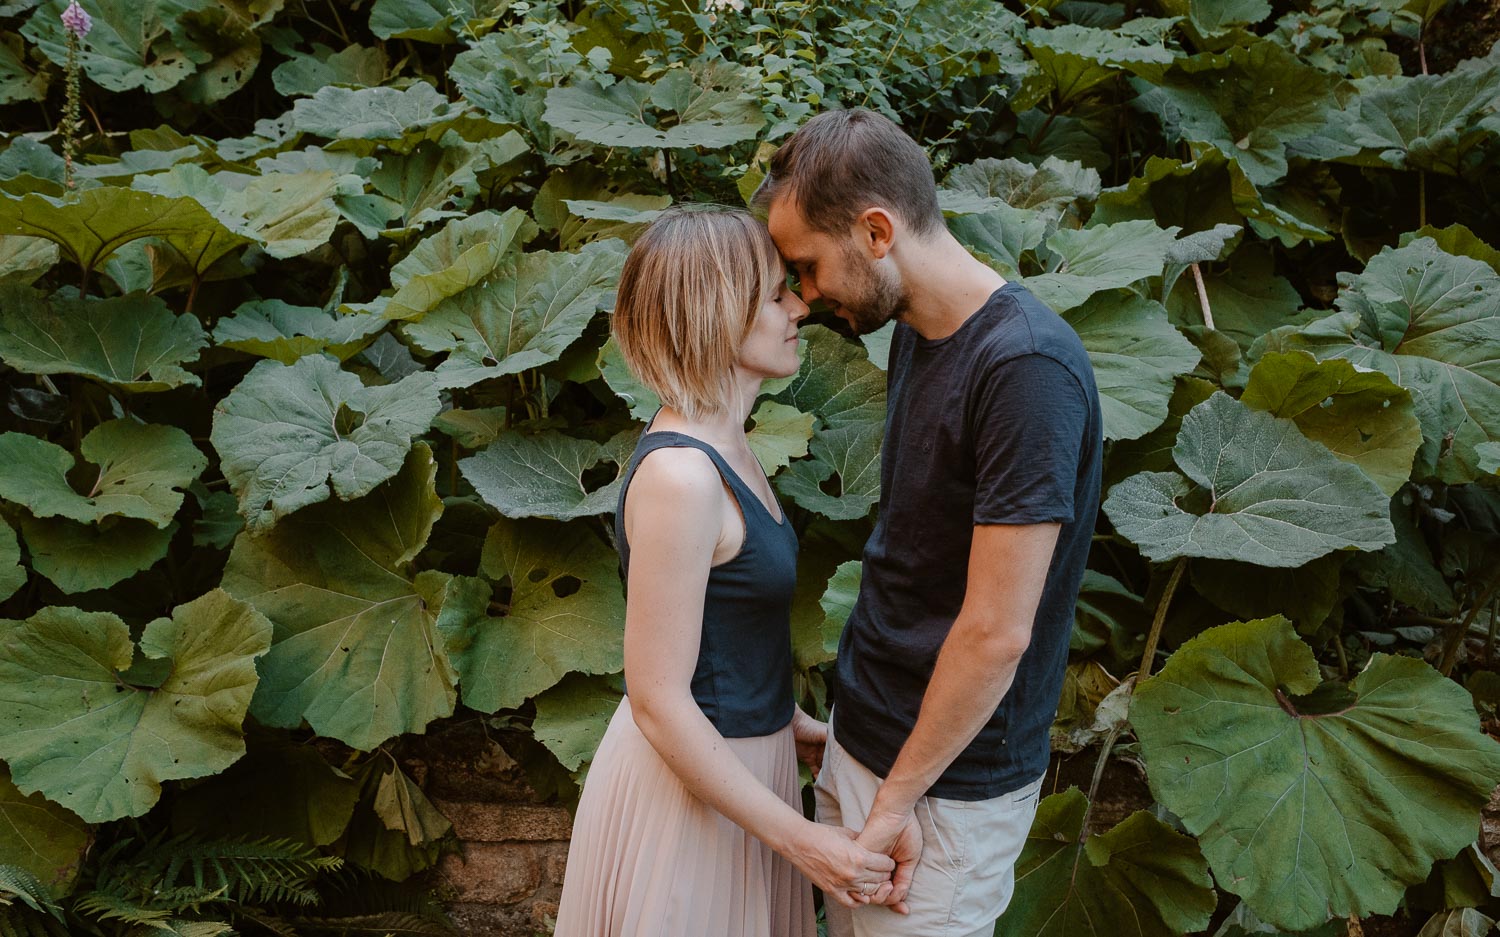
690,822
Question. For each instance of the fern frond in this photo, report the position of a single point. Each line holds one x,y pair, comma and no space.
175,928
354,891
386,924
18,882
183,873
24,922
105,906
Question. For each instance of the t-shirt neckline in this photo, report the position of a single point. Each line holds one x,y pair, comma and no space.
931,343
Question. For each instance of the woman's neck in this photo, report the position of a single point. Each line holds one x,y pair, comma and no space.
726,428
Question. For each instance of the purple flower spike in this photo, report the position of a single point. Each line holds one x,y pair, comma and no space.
76,21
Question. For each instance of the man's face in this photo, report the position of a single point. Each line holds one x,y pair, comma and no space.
861,292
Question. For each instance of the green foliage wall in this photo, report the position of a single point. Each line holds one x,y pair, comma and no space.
311,430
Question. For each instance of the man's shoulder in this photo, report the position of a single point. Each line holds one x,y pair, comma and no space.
1022,326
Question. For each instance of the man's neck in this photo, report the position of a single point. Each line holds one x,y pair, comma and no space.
945,286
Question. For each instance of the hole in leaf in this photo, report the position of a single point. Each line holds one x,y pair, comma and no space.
564,586
832,485
347,419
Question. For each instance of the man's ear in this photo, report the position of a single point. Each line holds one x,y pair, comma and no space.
876,229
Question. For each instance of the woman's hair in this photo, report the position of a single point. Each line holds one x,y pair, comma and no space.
689,293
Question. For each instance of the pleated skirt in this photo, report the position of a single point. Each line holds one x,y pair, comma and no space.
649,859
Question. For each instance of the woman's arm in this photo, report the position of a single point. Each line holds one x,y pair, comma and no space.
672,519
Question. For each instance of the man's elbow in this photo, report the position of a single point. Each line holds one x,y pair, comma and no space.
998,640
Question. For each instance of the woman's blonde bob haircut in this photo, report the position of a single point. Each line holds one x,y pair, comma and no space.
690,291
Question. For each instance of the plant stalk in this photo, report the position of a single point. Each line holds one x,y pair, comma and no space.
1152,639
1208,314
1456,636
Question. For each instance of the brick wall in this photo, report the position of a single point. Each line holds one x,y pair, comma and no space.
506,878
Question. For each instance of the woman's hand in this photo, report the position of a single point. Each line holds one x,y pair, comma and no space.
845,871
811,736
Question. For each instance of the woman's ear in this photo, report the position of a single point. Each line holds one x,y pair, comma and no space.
876,229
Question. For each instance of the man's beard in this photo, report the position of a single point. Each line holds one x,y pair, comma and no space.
878,298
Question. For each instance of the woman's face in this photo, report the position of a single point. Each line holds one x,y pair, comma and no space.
770,350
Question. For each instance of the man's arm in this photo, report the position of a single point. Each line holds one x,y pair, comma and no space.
1007,571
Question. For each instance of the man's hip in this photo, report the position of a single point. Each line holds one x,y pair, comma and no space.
966,875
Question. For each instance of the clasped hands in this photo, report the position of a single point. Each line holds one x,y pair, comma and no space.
853,867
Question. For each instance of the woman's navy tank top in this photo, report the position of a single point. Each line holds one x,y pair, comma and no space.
743,681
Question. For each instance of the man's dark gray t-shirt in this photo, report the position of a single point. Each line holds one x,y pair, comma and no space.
998,423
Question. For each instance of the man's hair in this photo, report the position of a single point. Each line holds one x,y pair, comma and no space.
689,293
842,162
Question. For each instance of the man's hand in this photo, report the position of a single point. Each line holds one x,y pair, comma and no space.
811,737
900,837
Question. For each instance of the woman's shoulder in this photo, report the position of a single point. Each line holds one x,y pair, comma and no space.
684,476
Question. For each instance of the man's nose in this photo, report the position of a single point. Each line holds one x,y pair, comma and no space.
808,289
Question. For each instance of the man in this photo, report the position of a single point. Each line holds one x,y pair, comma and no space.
951,664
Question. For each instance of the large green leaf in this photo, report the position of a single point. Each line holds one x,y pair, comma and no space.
460,255
440,21
1428,321
140,467
1306,594
572,716
1136,354
1256,490
1248,103
90,224
541,476
566,613
1141,879
1217,17
526,314
1458,922
133,342
273,328
370,113
19,81
12,573
999,236
80,557
1101,258
1054,188
1427,122
41,837
26,258
710,109
1312,800
288,213
1407,567
357,653
133,43
1360,416
1073,59
836,382
424,181
280,789
851,454
304,74
290,436
641,399
1246,298
79,725
779,435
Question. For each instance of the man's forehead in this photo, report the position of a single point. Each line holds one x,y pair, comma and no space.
790,230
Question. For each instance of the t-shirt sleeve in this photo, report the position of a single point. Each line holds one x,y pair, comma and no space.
1029,424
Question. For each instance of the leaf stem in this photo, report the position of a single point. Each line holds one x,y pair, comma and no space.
1422,197
1208,313
1149,655
1456,636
